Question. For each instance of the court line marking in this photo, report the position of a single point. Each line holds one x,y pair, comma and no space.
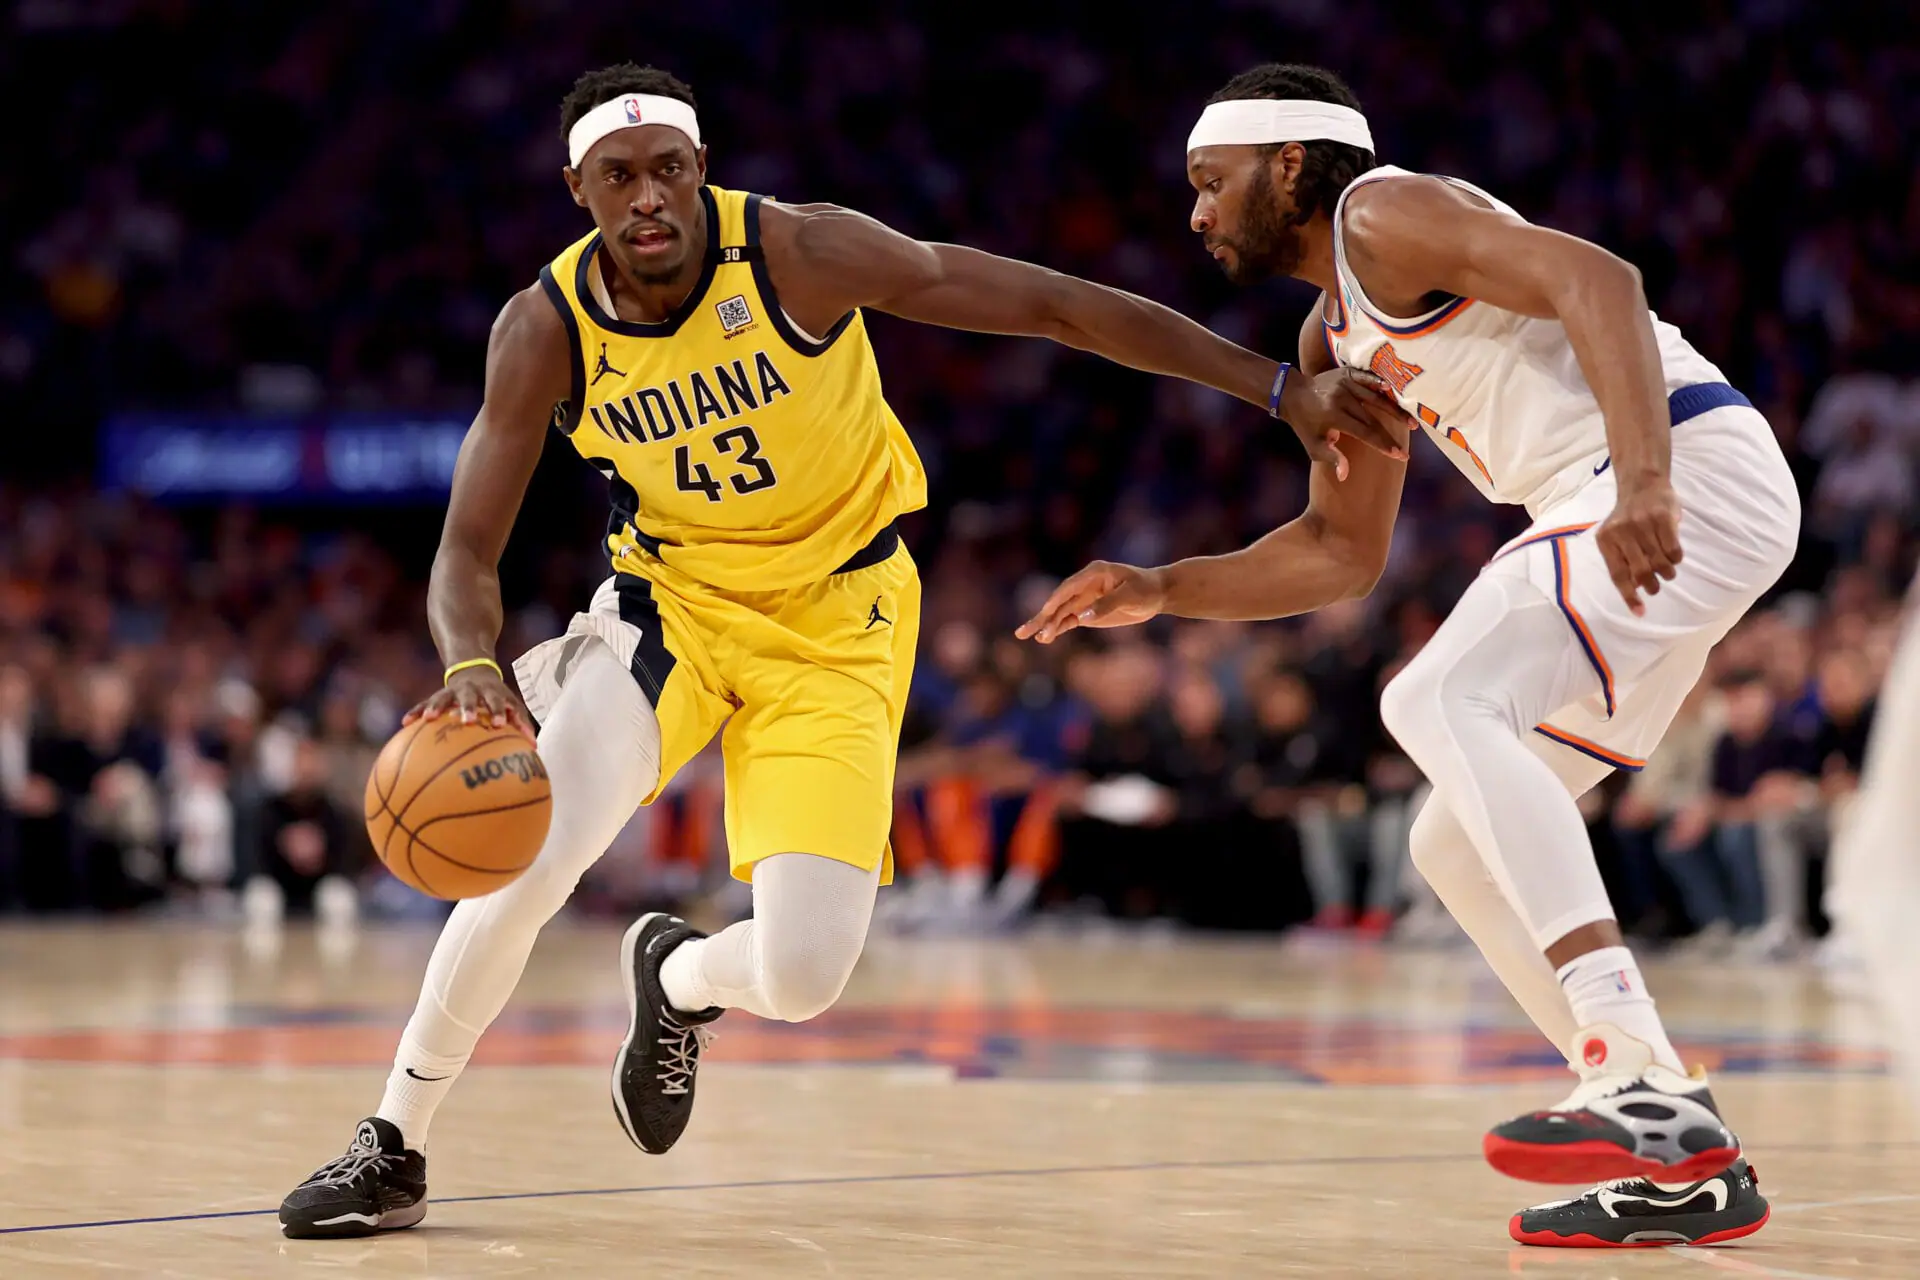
1745,1266
1156,1166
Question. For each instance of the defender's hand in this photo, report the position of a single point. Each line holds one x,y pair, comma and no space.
1341,403
1101,595
1641,540
478,693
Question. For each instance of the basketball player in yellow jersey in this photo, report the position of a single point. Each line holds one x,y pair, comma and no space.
705,350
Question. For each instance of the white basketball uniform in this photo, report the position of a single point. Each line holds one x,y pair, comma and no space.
1503,396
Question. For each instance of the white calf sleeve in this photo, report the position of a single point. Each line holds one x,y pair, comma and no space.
601,747
1446,857
792,960
1464,710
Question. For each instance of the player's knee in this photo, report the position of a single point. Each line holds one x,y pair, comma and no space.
801,994
804,982
544,888
1410,708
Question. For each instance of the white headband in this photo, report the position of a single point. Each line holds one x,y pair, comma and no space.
1246,121
624,112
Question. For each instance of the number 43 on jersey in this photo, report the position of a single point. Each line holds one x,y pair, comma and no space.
752,473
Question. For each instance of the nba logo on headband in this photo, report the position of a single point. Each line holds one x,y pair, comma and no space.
626,111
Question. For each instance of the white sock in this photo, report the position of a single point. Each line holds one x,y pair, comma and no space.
1606,986
411,1099
682,978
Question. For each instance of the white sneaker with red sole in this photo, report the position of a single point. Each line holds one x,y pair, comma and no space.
1629,1118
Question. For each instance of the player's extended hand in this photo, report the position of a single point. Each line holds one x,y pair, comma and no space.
1341,403
476,694
1101,595
1641,540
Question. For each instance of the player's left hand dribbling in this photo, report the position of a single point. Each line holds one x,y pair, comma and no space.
1641,540
476,695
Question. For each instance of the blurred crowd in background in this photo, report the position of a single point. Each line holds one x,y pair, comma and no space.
261,209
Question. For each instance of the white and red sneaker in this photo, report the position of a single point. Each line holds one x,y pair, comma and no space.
1629,1118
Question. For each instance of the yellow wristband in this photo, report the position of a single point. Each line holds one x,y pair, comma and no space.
470,663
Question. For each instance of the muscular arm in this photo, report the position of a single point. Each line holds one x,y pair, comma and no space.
528,370
826,261
1412,237
1335,550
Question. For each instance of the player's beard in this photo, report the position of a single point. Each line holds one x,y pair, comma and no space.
651,271
1268,244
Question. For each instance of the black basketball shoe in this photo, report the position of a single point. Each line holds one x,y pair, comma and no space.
654,1070
378,1185
1629,1118
1636,1214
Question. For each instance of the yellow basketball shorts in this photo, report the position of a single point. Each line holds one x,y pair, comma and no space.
810,684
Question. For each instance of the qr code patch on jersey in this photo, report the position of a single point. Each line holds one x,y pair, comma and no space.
734,313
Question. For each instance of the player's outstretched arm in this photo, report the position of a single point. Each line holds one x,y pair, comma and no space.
528,371
1335,550
1415,236
834,260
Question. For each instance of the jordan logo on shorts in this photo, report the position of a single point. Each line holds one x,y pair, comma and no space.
874,615
604,368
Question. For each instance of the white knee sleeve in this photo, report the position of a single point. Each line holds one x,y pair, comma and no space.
792,960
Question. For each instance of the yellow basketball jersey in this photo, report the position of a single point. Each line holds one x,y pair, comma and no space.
740,451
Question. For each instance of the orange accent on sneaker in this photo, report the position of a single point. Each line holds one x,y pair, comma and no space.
1595,1052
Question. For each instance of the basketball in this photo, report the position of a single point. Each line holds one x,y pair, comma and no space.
457,810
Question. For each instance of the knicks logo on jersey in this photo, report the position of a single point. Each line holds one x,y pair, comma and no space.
1387,366
690,401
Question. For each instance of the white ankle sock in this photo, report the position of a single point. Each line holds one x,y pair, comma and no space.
683,979
1606,986
411,1100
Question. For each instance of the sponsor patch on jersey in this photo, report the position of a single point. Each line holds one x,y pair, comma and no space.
734,313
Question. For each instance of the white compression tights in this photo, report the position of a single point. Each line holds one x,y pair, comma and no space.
1464,710
601,746
1446,857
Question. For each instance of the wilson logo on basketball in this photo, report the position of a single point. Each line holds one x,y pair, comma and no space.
1595,1052
523,765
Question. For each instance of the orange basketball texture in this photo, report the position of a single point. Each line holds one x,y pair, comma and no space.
457,810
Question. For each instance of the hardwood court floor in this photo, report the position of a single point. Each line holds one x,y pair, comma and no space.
1132,1106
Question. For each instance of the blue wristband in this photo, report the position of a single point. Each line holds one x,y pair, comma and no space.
1279,385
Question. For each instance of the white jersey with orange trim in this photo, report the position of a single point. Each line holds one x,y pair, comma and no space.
1500,393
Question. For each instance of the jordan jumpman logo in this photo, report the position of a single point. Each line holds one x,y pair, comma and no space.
602,369
874,615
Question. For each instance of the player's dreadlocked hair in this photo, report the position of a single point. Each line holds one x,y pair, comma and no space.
608,83
1329,167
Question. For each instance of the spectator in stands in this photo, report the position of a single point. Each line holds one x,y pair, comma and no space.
1119,800
1798,805
301,864
1665,818
1719,880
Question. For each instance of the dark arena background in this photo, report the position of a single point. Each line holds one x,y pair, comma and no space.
1157,991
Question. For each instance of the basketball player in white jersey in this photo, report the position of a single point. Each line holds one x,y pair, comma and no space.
1662,509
